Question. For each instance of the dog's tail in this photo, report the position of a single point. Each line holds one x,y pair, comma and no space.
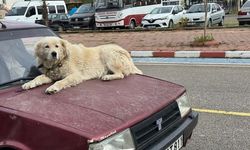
133,69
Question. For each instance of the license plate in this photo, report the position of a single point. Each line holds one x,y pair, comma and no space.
76,27
177,144
151,27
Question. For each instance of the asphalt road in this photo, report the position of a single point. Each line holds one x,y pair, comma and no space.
224,88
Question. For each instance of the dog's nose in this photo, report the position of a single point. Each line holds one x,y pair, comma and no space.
53,54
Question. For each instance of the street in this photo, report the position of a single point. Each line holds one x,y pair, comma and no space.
213,87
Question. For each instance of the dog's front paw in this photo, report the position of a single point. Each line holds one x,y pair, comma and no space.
52,89
28,85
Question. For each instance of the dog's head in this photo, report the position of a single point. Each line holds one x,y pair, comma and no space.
51,51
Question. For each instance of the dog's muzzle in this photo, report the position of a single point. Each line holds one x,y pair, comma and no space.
54,55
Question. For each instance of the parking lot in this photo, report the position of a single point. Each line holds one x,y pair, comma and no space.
213,88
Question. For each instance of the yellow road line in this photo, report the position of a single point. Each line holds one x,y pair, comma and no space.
242,114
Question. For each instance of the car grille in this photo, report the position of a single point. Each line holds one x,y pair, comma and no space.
151,20
149,131
195,19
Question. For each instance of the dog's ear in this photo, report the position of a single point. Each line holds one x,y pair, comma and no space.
65,46
38,46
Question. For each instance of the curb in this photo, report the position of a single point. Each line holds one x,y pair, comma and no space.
191,54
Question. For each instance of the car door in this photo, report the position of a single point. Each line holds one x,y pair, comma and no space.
176,15
215,15
220,13
31,14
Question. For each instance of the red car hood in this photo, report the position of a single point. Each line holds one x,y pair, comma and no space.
94,108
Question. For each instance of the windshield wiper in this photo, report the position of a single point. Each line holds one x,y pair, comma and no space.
21,80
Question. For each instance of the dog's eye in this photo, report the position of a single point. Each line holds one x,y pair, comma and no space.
47,46
57,46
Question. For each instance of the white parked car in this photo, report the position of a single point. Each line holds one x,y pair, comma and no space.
164,16
244,14
196,14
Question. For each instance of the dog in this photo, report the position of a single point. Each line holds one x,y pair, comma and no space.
69,64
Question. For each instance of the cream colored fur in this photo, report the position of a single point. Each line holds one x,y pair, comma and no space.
76,63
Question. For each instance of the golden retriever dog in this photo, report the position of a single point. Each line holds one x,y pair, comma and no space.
70,64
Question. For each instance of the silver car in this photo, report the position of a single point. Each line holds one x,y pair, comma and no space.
196,15
244,14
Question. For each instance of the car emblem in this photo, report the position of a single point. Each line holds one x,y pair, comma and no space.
159,124
76,19
151,20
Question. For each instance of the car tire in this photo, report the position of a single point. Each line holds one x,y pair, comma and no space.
132,24
60,28
209,24
171,24
241,23
222,22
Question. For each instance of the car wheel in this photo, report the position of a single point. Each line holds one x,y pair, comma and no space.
209,24
241,23
222,22
132,24
60,29
171,24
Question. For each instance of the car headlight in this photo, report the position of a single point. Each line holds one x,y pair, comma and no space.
164,18
87,18
119,15
183,105
202,18
120,141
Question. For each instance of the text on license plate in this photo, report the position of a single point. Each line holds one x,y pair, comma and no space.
177,144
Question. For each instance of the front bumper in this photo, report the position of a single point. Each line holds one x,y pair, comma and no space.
195,23
156,23
119,23
81,24
185,129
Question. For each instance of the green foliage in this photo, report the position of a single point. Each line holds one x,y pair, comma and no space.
183,22
202,39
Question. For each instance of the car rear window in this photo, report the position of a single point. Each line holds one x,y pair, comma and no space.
247,4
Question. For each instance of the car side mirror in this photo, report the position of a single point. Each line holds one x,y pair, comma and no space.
213,11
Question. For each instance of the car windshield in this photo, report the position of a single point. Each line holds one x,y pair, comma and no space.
16,11
198,8
84,9
53,16
161,10
247,4
17,53
110,4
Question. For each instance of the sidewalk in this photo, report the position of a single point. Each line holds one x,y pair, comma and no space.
234,39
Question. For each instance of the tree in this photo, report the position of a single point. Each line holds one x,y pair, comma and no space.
205,24
45,13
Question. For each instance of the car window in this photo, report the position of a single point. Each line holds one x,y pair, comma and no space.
52,9
31,11
180,8
166,10
214,8
17,57
176,9
84,9
63,17
218,7
60,9
247,4
16,11
39,10
17,53
198,8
